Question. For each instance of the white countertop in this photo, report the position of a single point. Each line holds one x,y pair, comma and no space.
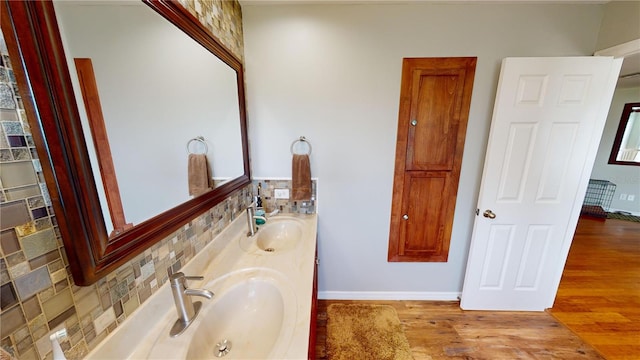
136,338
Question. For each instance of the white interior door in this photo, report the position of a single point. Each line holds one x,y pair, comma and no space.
547,122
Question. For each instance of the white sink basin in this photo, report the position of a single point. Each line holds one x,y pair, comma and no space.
261,301
252,316
277,235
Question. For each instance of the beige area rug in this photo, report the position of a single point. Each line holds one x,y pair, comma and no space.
357,331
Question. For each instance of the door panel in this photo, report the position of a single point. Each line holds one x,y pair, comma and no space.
548,119
436,113
425,199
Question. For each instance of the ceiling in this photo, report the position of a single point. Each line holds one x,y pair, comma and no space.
630,66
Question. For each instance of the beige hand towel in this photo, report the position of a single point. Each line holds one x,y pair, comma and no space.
199,174
301,178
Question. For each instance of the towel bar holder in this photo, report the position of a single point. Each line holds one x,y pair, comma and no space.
201,140
301,139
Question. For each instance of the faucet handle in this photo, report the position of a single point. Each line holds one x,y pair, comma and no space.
194,277
180,277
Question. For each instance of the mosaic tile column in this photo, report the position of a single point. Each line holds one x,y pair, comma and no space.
37,292
223,18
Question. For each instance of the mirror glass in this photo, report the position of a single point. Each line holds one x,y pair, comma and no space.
158,91
626,146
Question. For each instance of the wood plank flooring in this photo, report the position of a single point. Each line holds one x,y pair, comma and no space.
606,315
441,330
599,294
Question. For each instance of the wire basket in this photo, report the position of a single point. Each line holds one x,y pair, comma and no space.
597,200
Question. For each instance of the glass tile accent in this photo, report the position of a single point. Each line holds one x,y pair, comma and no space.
31,308
11,320
19,269
6,155
58,276
57,304
62,317
37,166
32,283
39,243
9,242
8,296
30,142
4,143
84,305
20,154
45,194
12,127
12,77
22,192
44,259
35,202
4,274
6,97
39,213
26,229
17,141
13,214
15,259
17,174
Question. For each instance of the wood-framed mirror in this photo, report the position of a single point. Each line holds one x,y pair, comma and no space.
626,145
52,108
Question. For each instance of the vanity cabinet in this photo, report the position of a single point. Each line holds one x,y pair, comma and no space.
314,309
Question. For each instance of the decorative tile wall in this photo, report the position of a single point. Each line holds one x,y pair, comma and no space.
270,203
37,292
223,18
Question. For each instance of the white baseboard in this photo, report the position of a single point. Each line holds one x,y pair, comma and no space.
388,295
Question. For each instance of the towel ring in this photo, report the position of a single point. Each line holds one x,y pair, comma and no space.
199,139
301,139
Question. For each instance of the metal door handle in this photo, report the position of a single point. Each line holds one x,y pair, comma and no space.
405,217
489,214
414,122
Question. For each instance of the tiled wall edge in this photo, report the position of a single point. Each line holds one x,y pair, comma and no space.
47,299
268,186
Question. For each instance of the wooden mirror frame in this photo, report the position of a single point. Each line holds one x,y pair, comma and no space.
622,126
35,45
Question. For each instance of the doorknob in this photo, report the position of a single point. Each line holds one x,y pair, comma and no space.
405,217
414,122
489,214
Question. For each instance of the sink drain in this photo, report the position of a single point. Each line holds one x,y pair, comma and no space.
269,249
223,348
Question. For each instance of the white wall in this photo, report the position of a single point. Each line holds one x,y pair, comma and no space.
626,178
620,24
332,73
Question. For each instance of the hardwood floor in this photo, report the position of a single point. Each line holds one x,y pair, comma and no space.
599,294
598,299
441,330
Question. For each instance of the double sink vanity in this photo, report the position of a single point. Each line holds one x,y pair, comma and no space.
262,304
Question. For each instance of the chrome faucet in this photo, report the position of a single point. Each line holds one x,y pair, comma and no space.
251,224
187,310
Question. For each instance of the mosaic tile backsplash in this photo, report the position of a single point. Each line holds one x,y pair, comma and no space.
37,293
270,203
223,18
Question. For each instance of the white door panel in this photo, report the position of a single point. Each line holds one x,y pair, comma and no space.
547,122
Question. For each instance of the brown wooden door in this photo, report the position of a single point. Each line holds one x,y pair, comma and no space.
434,107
